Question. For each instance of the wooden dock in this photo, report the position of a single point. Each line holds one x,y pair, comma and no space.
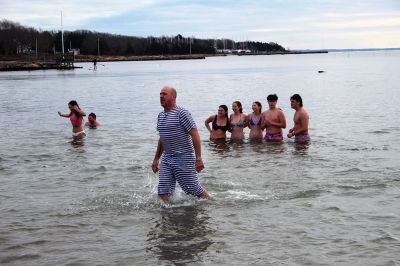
44,62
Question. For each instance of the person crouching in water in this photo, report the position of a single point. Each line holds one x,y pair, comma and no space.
76,117
92,122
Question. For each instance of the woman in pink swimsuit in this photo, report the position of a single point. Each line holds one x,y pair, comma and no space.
76,117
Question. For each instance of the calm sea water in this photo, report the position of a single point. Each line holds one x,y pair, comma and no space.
333,202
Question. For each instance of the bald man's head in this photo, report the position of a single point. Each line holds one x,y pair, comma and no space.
168,98
171,89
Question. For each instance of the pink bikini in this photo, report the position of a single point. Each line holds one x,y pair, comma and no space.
76,121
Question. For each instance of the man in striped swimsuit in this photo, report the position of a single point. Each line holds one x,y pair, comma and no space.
180,148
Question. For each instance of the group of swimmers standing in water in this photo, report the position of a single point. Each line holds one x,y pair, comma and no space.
273,121
76,115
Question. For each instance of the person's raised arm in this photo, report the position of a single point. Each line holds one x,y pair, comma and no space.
64,115
79,110
194,133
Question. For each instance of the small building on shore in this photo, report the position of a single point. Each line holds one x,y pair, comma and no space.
74,51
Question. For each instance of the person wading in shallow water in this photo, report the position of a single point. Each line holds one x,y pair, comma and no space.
300,119
255,122
92,121
273,120
76,116
238,122
219,124
180,147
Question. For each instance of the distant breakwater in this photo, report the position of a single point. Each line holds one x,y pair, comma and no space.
30,63
28,66
24,63
285,52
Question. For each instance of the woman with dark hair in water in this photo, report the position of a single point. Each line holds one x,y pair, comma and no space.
76,117
220,123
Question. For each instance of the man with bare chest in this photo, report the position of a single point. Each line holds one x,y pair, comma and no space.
300,119
273,120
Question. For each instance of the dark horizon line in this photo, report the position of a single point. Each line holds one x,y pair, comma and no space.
349,49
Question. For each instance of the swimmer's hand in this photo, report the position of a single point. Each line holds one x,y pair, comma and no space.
154,166
291,133
199,165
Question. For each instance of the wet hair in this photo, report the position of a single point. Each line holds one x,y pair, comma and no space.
223,106
239,104
259,105
272,98
297,98
74,103
93,115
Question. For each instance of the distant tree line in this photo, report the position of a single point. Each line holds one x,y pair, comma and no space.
16,39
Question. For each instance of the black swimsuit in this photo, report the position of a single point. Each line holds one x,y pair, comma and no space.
223,128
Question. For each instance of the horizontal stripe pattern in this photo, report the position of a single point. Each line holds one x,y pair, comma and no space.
174,127
182,169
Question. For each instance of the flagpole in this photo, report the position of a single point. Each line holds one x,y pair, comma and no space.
62,35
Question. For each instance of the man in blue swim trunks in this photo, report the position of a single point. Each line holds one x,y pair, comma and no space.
180,148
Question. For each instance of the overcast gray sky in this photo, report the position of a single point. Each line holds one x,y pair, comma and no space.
301,24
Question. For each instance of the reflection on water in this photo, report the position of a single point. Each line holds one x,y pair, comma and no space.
219,146
236,142
301,148
257,147
181,234
77,148
267,147
241,148
77,143
255,141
